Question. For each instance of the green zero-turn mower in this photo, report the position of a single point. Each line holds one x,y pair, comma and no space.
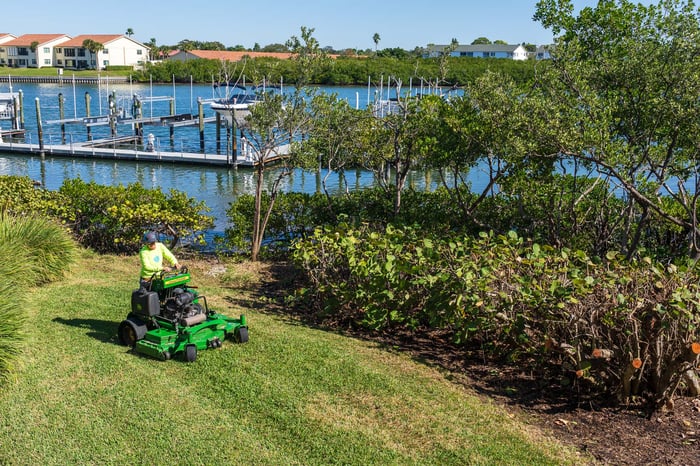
171,318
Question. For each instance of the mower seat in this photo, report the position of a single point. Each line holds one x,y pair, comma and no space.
145,303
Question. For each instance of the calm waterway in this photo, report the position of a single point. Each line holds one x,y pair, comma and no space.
216,186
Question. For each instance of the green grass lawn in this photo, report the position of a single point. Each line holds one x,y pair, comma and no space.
291,395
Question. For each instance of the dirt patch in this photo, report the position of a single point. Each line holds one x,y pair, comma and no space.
612,435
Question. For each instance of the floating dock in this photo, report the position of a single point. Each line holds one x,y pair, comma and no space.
113,148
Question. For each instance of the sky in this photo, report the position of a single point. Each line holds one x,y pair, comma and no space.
338,24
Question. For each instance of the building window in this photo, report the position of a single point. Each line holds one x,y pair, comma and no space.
22,51
139,52
81,52
69,52
59,50
59,62
2,50
105,63
47,61
105,51
33,61
47,50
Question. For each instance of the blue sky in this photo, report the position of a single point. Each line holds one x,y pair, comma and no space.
337,23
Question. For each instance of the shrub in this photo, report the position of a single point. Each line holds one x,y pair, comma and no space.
294,216
113,218
19,195
38,250
606,327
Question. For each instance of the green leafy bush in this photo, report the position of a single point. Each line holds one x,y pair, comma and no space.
293,216
113,218
19,195
604,326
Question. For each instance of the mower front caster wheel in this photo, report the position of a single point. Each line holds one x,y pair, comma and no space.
190,353
241,335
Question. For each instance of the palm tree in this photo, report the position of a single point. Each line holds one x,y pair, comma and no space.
376,40
152,48
33,46
94,47
129,32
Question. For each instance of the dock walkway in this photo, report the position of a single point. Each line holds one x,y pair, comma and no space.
100,149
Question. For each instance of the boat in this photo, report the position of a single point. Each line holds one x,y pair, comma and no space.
7,105
238,102
9,113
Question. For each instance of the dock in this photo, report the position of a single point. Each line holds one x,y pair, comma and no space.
61,79
136,147
112,148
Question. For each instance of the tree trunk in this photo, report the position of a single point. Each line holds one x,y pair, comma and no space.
256,239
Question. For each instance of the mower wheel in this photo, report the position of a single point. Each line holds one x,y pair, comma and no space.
130,332
190,353
241,335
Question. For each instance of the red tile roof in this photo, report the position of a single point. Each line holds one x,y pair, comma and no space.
77,41
235,56
27,39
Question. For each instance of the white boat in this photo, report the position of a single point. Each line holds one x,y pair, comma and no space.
238,103
7,106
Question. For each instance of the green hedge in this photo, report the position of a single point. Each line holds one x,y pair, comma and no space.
607,327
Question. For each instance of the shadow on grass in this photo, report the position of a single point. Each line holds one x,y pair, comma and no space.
101,330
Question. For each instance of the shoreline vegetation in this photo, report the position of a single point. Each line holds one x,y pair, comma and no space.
341,71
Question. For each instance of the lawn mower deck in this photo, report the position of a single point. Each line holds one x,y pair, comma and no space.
171,318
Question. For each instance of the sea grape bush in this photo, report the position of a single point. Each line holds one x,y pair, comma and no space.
605,326
113,218
108,218
21,196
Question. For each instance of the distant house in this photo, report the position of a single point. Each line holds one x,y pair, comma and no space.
31,50
116,50
543,52
4,37
223,55
512,52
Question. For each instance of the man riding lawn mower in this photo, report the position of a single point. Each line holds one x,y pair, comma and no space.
168,317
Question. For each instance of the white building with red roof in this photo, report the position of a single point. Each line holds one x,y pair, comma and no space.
87,51
30,50
113,50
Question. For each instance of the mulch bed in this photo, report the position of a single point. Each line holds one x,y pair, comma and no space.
629,435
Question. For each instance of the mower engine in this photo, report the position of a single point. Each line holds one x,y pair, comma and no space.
181,307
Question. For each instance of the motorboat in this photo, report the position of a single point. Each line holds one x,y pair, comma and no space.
6,106
238,102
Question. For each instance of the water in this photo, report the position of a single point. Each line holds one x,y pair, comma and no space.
216,186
